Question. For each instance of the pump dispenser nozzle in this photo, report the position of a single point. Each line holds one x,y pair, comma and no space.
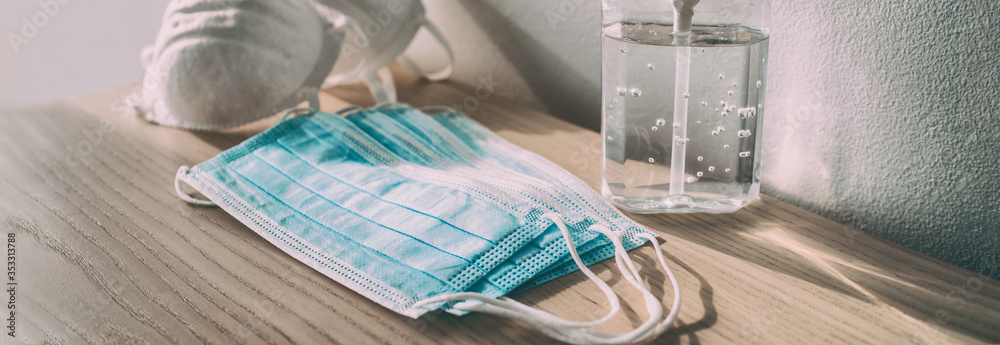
683,12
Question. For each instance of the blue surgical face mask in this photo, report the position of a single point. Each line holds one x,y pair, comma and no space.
403,126
494,148
330,196
414,218
416,138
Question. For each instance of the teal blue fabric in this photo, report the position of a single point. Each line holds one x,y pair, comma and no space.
492,147
429,142
401,206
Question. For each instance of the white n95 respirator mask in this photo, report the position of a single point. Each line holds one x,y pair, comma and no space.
223,63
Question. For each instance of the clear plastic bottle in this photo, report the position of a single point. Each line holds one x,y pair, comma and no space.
682,114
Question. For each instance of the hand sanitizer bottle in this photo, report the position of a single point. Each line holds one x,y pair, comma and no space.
683,101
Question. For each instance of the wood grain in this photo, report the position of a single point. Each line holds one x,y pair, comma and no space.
106,253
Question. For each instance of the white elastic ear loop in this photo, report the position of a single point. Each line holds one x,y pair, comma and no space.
349,109
623,262
446,72
438,109
530,315
311,94
650,328
387,105
432,76
381,85
183,171
622,259
388,83
569,331
653,307
295,112
609,293
676,308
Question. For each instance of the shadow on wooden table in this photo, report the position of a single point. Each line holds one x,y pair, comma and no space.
823,254
706,295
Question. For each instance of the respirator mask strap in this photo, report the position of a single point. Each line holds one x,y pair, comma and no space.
438,75
381,85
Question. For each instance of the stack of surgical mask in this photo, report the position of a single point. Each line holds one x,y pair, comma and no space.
423,212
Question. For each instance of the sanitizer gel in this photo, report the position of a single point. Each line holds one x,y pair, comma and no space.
682,113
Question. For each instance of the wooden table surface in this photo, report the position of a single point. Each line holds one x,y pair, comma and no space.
106,253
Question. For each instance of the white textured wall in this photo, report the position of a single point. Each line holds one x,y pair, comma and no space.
884,115
551,65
